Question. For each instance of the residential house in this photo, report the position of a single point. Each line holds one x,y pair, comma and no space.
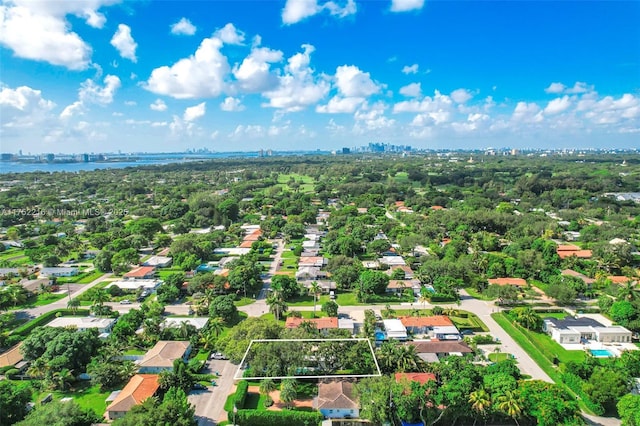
134,285
12,358
620,279
421,378
568,250
158,261
425,325
139,388
312,261
398,286
325,285
433,350
309,273
336,399
141,273
394,329
392,261
322,324
161,356
198,322
103,325
578,330
58,272
571,273
516,282
346,324
408,272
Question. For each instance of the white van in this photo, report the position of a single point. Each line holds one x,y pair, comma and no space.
332,295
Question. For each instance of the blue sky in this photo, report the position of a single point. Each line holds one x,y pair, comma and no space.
106,75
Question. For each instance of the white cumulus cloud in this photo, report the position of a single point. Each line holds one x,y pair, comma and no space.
231,104
298,86
23,106
194,112
200,75
183,27
340,105
410,69
124,43
413,90
353,82
295,11
158,105
527,113
406,5
90,92
254,73
557,105
461,95
229,34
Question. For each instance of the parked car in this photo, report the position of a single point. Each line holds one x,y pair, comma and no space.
217,355
125,302
199,386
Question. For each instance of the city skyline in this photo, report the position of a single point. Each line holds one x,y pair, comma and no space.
104,75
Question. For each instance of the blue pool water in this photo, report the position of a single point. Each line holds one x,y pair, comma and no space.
379,335
601,352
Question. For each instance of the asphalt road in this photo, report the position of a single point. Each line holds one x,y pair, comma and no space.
210,403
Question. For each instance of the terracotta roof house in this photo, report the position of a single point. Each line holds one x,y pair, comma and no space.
314,261
253,236
568,250
139,388
11,357
421,378
141,273
246,244
424,325
408,272
572,273
437,208
322,324
336,400
518,282
161,356
619,279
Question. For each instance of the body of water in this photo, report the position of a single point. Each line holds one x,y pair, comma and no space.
135,160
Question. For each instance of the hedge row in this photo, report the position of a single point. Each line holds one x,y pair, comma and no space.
280,418
43,319
575,383
238,398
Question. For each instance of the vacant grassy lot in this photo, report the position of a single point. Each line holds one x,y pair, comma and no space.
307,300
499,356
83,393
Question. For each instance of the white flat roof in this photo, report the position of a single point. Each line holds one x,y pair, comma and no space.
394,326
445,329
157,260
233,251
81,322
197,322
135,284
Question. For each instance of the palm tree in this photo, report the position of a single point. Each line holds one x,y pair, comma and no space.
277,306
216,325
509,404
480,401
629,291
424,297
38,368
73,304
288,392
16,294
99,297
407,360
62,378
266,387
315,290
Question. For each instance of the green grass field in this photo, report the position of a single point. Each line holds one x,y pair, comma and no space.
244,301
41,299
84,394
499,356
307,300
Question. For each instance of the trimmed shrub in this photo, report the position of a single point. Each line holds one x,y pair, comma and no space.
280,418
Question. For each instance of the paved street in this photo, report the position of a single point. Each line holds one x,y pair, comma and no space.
210,403
75,289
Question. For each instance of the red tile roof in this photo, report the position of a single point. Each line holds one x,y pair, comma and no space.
619,279
422,378
320,323
433,321
519,282
140,272
139,388
254,236
572,273
246,244
581,254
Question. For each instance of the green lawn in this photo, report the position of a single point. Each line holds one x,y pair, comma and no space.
349,299
40,300
309,314
91,277
476,294
559,315
307,300
244,301
499,356
163,273
84,394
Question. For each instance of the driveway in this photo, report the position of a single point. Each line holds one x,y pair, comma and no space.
210,403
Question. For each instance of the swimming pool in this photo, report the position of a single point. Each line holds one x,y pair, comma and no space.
600,353
379,335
